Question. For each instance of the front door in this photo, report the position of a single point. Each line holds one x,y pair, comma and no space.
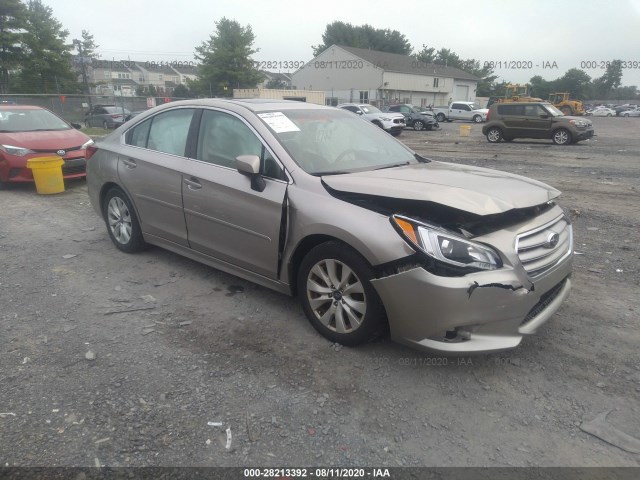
225,217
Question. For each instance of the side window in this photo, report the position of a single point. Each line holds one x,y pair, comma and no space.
169,131
405,109
464,107
395,108
510,110
223,137
139,134
351,108
533,110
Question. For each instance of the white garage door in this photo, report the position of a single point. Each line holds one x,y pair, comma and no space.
462,93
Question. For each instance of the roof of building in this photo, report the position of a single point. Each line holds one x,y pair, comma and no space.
395,62
284,77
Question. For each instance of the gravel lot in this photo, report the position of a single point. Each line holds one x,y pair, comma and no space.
121,360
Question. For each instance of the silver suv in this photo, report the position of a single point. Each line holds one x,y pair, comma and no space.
390,122
312,201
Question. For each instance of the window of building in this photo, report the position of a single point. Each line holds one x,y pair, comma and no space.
436,82
364,96
331,101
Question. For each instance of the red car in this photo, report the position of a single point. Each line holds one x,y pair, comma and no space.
27,131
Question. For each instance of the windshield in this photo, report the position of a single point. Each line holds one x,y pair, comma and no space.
369,109
18,120
324,142
554,111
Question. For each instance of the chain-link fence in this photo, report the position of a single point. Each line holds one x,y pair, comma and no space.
73,108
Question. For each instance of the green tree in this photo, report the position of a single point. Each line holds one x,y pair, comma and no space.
612,78
182,91
146,91
540,87
625,93
426,55
225,60
276,83
13,22
363,36
47,66
444,56
576,82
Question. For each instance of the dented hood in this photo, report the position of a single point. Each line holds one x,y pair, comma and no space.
473,189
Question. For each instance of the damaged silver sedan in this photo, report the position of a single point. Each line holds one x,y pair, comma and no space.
315,202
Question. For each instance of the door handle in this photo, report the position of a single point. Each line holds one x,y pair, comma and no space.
192,184
130,163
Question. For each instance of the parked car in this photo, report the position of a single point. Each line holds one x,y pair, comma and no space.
28,131
507,121
602,112
631,113
311,201
468,111
106,116
390,122
414,117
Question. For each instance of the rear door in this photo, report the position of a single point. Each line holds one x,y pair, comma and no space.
150,169
225,217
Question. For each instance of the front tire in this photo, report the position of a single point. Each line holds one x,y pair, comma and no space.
122,222
418,125
477,119
494,135
334,284
562,136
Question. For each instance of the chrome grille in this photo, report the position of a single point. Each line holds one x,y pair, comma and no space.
537,249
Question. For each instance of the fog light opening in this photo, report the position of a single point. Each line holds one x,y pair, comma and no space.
456,335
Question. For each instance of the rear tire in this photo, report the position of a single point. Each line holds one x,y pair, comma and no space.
441,118
334,284
122,222
105,125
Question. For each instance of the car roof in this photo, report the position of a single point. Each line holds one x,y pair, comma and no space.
20,107
520,103
252,104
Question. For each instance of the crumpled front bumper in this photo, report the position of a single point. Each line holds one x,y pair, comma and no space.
480,312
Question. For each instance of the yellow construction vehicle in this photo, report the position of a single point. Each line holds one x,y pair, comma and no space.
562,102
514,92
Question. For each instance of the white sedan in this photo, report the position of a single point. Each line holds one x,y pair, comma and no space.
602,112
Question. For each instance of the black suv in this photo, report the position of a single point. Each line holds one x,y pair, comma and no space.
415,118
506,121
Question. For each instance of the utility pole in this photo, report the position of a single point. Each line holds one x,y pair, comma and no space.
83,64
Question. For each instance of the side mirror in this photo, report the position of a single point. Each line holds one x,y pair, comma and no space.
77,126
249,165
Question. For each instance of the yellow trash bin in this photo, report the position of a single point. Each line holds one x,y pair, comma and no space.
47,173
465,130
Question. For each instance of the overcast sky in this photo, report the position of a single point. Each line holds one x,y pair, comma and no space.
567,32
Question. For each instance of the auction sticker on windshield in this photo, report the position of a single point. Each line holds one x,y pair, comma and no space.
279,122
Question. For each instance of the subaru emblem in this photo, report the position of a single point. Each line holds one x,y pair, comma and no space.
552,240
61,153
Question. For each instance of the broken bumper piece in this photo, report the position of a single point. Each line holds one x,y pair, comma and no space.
479,313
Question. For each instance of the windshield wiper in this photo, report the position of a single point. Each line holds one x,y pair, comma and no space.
393,165
331,172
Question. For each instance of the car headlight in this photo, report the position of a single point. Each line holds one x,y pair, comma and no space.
17,151
86,144
579,123
446,247
385,119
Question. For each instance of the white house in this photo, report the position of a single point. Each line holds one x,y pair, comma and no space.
348,74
